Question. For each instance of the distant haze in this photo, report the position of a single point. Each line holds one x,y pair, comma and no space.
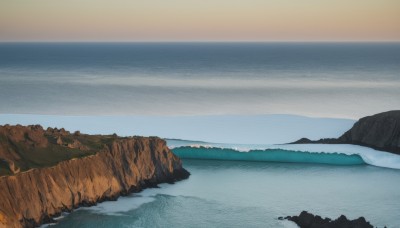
343,80
195,20
239,129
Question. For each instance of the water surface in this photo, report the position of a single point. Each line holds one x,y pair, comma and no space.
253,194
347,80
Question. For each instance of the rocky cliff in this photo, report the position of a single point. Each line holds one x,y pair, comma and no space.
45,172
380,131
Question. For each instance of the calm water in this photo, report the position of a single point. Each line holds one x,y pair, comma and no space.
253,194
325,80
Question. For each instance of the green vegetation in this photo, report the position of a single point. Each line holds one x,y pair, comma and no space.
53,153
49,156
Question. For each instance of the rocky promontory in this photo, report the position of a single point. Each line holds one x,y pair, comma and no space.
308,220
380,131
46,172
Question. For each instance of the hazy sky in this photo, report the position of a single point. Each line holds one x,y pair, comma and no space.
199,20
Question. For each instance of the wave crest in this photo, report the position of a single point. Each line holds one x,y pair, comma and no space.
267,155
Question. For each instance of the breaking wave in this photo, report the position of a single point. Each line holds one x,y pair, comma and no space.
268,155
341,154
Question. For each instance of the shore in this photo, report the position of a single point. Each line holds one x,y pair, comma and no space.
122,166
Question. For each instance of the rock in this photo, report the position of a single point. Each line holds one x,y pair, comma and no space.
10,165
77,145
110,167
32,136
308,220
380,131
13,168
303,141
59,141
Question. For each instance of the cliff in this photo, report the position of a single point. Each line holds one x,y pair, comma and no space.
380,131
46,172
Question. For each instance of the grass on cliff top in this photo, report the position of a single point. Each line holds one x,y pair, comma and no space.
36,157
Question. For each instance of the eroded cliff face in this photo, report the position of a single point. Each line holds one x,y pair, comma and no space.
123,165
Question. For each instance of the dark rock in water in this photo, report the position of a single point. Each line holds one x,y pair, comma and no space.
302,141
380,131
308,220
321,141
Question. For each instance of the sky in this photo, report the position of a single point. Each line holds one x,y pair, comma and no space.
200,20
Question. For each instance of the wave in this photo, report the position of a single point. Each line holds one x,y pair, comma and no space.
268,155
337,154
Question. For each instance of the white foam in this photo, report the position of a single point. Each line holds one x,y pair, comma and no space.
124,204
47,225
127,203
369,155
63,215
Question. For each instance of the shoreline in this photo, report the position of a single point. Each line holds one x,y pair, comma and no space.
52,219
60,178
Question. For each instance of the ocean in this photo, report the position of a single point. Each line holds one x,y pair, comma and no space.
341,80
253,194
226,109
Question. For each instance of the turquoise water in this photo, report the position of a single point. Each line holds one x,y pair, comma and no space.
270,155
333,154
253,194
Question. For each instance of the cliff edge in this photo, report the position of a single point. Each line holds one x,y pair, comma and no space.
46,172
380,131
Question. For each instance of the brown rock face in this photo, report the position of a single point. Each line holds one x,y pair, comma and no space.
32,136
123,165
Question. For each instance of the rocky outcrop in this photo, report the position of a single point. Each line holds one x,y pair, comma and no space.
380,131
308,220
121,166
77,145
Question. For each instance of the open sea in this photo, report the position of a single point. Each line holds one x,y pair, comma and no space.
236,103
343,80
